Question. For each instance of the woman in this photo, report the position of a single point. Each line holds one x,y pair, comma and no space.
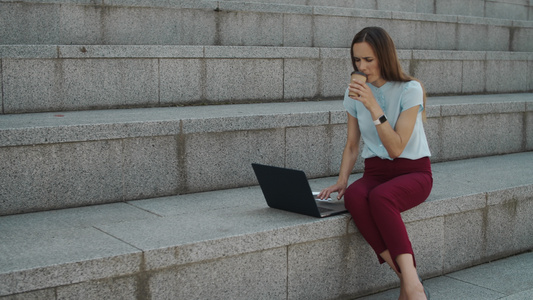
388,114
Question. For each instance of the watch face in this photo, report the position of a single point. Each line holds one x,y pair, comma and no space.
382,119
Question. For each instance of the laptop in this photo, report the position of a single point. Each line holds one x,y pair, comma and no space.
289,190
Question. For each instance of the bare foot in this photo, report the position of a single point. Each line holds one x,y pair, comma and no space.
415,292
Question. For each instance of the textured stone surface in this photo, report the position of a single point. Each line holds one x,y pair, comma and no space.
529,130
47,258
518,277
231,278
151,167
465,240
300,78
335,73
37,295
71,175
438,72
223,160
252,23
481,134
219,244
52,85
480,282
298,30
139,153
250,28
433,135
309,149
41,23
333,267
516,72
474,77
60,175
191,239
181,81
208,233
507,213
522,34
459,7
119,288
428,237
335,32
230,80
106,76
513,10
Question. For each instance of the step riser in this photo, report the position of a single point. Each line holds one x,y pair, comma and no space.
125,161
505,9
101,77
239,24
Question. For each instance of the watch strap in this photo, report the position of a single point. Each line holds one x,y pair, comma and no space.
382,119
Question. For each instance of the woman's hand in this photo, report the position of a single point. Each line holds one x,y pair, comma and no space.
338,187
364,94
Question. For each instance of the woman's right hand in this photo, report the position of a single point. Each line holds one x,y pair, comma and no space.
339,188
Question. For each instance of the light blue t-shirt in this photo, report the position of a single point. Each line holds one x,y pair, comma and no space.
393,97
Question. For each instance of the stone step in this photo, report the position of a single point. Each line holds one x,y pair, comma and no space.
231,23
479,282
230,245
40,78
500,9
71,159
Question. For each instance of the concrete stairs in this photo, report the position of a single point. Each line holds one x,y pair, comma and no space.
84,56
69,159
128,129
228,245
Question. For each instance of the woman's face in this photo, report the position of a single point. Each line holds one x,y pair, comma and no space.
367,62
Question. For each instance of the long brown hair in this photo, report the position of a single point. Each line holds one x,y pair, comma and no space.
389,64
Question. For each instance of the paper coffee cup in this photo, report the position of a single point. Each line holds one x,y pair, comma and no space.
359,76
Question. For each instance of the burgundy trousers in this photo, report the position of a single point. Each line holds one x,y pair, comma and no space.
375,201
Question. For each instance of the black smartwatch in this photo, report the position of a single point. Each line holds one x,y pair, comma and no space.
380,120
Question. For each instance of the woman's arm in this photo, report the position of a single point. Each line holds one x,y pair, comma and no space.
393,139
349,157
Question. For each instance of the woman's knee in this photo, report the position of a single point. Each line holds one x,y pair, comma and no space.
355,198
380,199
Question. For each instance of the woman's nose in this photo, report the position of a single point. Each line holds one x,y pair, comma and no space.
361,67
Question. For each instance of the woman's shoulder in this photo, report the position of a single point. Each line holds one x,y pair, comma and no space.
403,86
412,84
409,93
411,88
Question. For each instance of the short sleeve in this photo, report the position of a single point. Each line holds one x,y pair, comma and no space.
412,95
349,105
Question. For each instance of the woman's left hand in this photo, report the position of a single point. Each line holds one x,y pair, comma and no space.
363,93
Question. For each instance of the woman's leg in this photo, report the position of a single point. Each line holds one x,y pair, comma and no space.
387,257
388,200
410,285
379,221
356,202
